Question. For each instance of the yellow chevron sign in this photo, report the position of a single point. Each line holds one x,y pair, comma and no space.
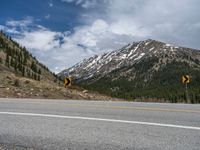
185,79
67,81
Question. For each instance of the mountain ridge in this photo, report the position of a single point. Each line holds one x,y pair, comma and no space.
139,63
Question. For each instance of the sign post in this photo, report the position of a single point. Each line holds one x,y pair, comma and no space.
186,80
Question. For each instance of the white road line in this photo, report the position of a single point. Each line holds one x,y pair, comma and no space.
101,119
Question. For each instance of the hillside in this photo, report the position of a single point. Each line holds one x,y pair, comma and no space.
18,60
147,70
23,76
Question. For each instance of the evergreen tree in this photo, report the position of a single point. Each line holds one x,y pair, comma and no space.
23,71
34,66
12,62
7,61
28,73
38,78
15,66
39,71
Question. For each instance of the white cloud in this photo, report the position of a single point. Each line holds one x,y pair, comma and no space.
83,3
79,2
16,26
11,30
2,27
89,4
99,37
21,23
167,20
129,27
41,39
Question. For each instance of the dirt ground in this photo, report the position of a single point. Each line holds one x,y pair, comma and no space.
13,86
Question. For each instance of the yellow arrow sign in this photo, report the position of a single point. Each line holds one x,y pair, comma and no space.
185,79
67,81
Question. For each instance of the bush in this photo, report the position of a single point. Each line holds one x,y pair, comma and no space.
17,83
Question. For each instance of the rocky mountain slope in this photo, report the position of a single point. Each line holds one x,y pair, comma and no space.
23,76
141,70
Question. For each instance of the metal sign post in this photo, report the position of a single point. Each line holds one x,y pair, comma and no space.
186,80
186,92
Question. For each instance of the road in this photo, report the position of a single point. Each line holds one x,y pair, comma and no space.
88,125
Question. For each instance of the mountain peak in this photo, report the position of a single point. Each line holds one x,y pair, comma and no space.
127,56
147,69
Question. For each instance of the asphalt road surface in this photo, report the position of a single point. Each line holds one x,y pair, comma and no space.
91,125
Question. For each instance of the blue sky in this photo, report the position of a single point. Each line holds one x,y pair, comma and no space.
53,14
60,33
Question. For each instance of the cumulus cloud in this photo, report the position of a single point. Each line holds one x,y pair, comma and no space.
167,20
41,39
99,37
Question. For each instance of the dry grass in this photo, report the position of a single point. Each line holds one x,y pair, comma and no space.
14,86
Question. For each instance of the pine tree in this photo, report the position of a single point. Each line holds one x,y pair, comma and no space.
39,71
23,71
35,76
7,61
12,62
34,67
28,73
38,78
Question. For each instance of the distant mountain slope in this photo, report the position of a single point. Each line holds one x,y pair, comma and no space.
142,70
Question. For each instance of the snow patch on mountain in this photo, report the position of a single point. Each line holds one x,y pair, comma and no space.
140,56
151,48
133,50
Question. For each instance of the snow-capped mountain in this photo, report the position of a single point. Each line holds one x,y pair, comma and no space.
145,70
126,56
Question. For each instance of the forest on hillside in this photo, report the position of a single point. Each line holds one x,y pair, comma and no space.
164,85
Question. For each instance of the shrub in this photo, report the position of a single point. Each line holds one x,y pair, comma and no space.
17,83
